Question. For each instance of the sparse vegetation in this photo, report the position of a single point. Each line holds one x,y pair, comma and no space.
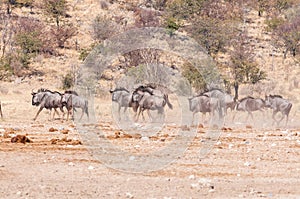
68,81
103,28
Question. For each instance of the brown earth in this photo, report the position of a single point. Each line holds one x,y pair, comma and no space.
245,161
252,159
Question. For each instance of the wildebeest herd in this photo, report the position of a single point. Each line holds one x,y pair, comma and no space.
152,97
48,99
215,102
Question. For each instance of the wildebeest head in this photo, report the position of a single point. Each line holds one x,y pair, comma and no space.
268,101
36,98
118,93
64,98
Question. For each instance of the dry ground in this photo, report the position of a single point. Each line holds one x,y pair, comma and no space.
244,162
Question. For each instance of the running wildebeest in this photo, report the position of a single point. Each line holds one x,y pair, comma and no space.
150,99
230,102
249,105
220,96
279,104
124,99
72,100
47,99
204,104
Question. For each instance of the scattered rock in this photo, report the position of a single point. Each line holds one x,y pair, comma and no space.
38,125
185,128
128,195
145,138
226,129
53,129
201,126
192,177
194,185
65,140
65,131
20,139
248,127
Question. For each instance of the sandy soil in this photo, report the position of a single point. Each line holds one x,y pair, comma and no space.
244,162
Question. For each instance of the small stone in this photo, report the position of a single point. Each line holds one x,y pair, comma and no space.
71,164
90,168
129,195
52,129
194,185
131,158
191,177
145,138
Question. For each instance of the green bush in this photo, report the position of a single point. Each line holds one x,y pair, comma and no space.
68,81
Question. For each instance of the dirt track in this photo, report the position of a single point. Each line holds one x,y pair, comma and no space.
244,162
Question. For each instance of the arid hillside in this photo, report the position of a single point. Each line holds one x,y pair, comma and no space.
106,155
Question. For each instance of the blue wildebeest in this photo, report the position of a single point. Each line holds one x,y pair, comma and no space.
230,102
279,104
72,100
220,96
124,99
47,99
204,104
150,99
249,105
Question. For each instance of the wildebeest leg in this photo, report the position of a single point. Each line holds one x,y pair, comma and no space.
119,112
62,110
287,118
233,117
192,123
1,111
81,114
282,117
143,115
273,117
138,115
124,113
251,116
149,115
55,111
41,108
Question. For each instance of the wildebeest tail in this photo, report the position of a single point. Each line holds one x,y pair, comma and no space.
168,102
288,109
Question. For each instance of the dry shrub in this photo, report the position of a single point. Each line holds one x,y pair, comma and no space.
145,17
63,33
103,28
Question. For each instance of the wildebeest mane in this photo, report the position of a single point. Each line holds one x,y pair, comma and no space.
47,90
215,89
120,89
71,92
248,97
273,96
